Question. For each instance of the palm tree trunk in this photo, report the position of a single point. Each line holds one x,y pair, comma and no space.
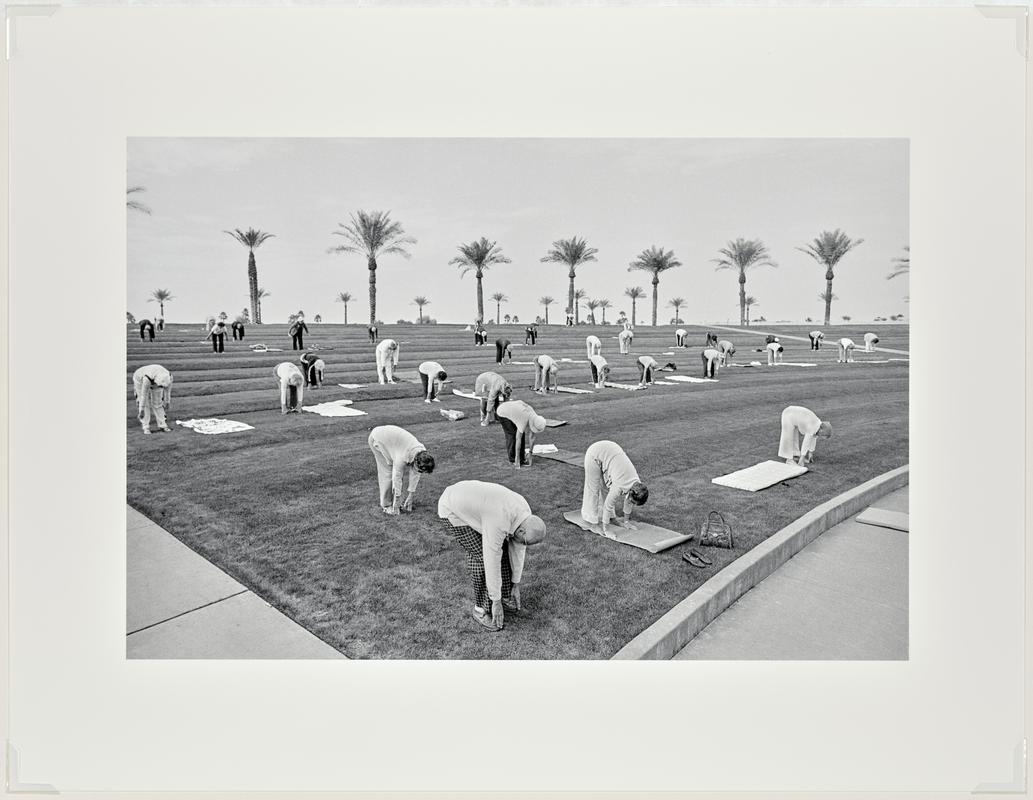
828,299
480,298
604,316
632,312
570,295
161,307
546,315
372,264
252,281
421,315
742,298
498,313
656,283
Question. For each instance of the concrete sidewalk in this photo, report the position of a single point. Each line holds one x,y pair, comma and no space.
180,605
844,596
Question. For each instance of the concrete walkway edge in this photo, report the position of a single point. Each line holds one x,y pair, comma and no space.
669,634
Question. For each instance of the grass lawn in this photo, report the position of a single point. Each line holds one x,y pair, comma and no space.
290,509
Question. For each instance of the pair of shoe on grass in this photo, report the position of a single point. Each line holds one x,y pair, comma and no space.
697,559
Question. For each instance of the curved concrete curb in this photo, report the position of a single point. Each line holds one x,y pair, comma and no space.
677,627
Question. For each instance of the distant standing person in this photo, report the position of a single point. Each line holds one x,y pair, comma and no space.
593,346
600,370
292,387
727,350
492,389
313,366
161,323
679,337
711,362
238,330
870,340
503,351
218,336
846,351
433,378
146,328
624,339
480,335
531,334
387,359
610,478
152,387
570,318
816,337
297,330
798,421
775,351
517,418
394,449
373,334
495,526
546,371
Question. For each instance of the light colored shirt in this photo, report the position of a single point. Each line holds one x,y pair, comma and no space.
289,373
847,343
547,363
522,415
647,362
599,362
870,338
399,447
817,335
626,334
775,347
431,368
156,374
681,332
711,355
388,348
494,512
725,346
490,386
805,421
619,475
593,341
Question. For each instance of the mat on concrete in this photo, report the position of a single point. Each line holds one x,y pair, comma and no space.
566,456
335,408
881,518
554,423
651,538
213,426
572,390
760,476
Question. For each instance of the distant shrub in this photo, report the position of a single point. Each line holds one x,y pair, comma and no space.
130,318
317,318
403,322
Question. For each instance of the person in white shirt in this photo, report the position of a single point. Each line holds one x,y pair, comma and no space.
679,337
495,526
520,422
846,351
600,370
394,449
711,362
870,340
626,323
624,339
292,387
492,389
387,359
727,350
610,477
433,378
816,337
593,346
152,387
798,421
647,365
546,372
775,351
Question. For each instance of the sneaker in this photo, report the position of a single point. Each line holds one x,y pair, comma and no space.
483,618
425,400
436,400
484,423
509,604
165,430
147,431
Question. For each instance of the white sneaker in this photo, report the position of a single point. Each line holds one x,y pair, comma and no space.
147,431
425,400
436,400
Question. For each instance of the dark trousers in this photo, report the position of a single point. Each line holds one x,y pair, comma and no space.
711,339
815,343
217,342
501,352
238,333
298,341
292,397
149,329
679,341
470,540
426,380
709,367
510,429
161,324
595,373
311,378
531,337
645,374
494,407
372,335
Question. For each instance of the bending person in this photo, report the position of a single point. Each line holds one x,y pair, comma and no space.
870,340
373,333
517,418
647,365
711,362
313,366
238,330
148,326
433,377
546,371
624,339
593,346
152,388
292,387
711,339
503,351
679,337
727,350
492,389
816,337
610,478
600,371
846,351
775,351
798,421
394,449
387,359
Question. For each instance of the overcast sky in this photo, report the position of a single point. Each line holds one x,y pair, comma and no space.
689,195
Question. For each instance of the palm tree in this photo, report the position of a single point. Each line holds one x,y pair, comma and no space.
827,297
903,264
592,306
579,295
478,256
827,250
546,301
258,308
573,252
603,305
421,301
655,260
748,303
741,255
635,293
372,233
676,303
499,299
344,297
161,297
251,239
136,205
318,318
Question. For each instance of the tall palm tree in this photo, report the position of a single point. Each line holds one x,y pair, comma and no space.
741,255
499,299
161,297
573,252
676,303
603,305
546,301
748,303
655,260
902,264
592,306
258,308
133,204
478,255
579,295
635,293
372,233
827,250
344,297
827,297
251,239
421,301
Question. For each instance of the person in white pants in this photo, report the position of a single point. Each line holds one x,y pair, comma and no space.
546,371
711,362
394,449
520,422
816,337
600,370
624,339
846,351
433,378
292,387
727,350
492,389
152,388
775,351
647,365
610,478
679,337
870,340
798,421
387,360
593,346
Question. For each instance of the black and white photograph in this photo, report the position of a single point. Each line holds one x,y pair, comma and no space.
517,398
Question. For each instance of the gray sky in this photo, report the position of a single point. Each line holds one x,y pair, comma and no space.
689,195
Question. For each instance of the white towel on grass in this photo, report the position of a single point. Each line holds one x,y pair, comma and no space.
690,379
573,361
627,386
523,363
335,408
351,385
212,425
572,390
792,364
538,449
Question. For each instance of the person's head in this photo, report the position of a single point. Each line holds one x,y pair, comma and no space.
537,423
639,493
606,369
531,531
297,379
424,462
442,376
507,392
825,430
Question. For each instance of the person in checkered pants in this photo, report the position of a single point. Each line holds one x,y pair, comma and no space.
495,526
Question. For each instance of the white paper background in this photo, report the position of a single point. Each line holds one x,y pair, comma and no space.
81,717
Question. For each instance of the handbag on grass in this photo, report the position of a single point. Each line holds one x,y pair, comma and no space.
716,532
